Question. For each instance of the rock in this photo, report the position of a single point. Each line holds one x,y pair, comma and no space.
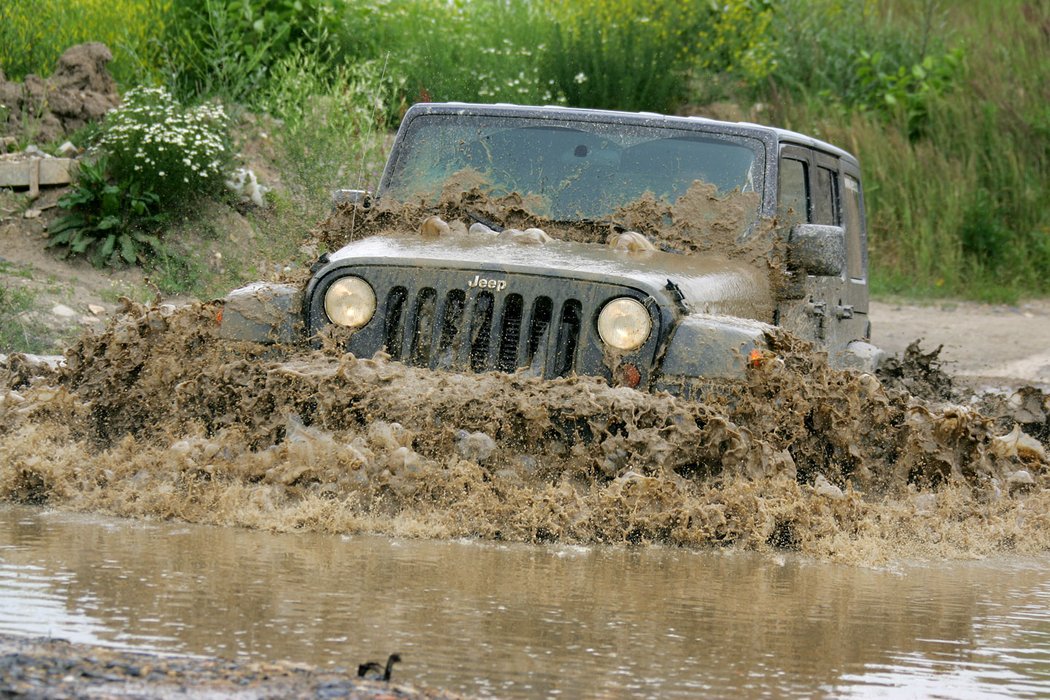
96,309
478,227
31,214
389,436
68,150
63,311
404,461
631,242
530,236
434,226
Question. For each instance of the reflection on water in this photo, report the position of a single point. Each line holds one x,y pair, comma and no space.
527,621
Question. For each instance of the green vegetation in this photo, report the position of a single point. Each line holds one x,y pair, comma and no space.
17,331
108,223
945,103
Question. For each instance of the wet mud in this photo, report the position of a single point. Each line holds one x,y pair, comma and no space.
52,668
701,220
158,418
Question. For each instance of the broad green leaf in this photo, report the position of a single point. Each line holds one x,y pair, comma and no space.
107,245
128,249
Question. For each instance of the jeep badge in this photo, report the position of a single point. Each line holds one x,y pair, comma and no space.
498,285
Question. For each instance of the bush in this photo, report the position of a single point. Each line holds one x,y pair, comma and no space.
156,158
107,223
178,153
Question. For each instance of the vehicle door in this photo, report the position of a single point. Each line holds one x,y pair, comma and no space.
808,193
854,305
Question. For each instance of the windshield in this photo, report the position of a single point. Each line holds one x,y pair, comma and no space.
571,170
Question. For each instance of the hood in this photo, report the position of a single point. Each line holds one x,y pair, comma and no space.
709,283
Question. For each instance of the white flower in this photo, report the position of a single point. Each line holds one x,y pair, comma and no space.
580,78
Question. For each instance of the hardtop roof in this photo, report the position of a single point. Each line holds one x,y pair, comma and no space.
765,133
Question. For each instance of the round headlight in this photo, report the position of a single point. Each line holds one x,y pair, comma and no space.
350,302
624,324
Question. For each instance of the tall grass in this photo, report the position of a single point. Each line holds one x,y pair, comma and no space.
959,207
34,33
626,54
332,125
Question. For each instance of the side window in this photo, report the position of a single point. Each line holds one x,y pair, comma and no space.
826,198
794,191
854,229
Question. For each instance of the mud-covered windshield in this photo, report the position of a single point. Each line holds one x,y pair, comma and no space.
571,170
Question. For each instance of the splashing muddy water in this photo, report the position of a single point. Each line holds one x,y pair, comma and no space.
157,417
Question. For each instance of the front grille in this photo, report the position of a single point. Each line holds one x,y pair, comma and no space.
481,331
442,318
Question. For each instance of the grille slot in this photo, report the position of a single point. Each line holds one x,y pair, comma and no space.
568,337
422,324
393,328
510,334
539,326
451,321
481,331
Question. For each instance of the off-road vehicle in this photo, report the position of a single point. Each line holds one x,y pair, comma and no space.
662,253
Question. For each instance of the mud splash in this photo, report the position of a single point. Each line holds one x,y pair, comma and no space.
157,417
701,220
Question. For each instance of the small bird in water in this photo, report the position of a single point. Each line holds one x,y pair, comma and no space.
374,672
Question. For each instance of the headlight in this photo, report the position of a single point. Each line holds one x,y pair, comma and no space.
350,302
624,324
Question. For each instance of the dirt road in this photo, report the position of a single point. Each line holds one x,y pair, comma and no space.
983,344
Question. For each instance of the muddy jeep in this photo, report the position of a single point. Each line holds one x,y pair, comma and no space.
658,252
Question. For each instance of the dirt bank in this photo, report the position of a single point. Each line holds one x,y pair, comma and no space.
51,668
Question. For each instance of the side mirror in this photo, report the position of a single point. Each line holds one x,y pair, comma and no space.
817,250
355,197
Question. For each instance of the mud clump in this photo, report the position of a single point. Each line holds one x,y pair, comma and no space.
918,373
156,417
78,92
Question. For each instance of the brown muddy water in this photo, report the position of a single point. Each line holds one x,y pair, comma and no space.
514,620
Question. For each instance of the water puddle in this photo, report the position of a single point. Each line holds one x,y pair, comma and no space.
532,621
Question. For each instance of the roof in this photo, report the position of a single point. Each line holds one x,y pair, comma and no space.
766,133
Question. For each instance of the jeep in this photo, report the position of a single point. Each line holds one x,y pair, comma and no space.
767,230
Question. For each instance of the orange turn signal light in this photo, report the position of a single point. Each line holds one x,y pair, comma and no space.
631,375
756,358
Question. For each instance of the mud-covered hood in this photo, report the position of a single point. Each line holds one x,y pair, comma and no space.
712,284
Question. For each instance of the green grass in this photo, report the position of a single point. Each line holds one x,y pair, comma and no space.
17,332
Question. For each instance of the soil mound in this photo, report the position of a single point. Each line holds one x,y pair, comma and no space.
157,417
79,91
